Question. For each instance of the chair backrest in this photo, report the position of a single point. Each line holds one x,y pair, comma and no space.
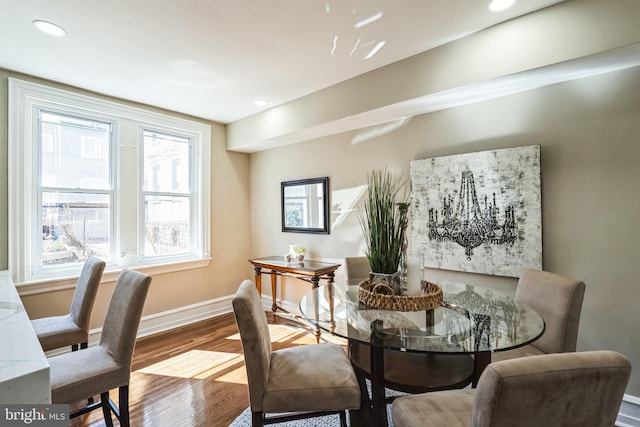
123,315
558,299
552,390
256,340
357,267
86,290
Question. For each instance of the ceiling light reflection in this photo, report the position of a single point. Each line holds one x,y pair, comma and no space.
375,49
500,5
367,21
379,130
50,28
355,46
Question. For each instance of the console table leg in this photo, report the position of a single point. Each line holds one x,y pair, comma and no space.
258,280
315,283
274,282
316,314
332,320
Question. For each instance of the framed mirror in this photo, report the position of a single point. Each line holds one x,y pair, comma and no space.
305,205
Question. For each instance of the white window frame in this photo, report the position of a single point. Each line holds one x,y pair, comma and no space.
24,99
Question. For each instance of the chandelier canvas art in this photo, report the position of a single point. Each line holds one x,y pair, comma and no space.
478,212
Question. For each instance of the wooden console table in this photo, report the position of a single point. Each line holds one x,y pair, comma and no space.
307,270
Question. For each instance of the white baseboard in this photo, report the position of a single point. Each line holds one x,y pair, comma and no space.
629,414
182,316
170,319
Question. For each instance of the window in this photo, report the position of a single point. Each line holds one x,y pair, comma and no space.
167,206
93,177
74,189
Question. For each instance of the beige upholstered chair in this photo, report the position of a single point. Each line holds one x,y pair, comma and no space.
551,390
357,267
304,381
73,328
96,370
558,299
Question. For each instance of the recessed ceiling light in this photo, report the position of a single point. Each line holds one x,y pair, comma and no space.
50,28
500,5
260,102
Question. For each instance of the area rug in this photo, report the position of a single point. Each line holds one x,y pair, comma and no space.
244,420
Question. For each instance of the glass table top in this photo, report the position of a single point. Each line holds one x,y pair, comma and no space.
279,262
471,319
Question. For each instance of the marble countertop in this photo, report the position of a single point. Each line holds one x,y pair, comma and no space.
24,370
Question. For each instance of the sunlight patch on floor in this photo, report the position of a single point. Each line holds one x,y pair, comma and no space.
198,364
279,333
236,376
296,336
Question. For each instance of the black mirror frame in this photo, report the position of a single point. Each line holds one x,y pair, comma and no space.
324,229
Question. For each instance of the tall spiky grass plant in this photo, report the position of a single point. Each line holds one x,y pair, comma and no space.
381,221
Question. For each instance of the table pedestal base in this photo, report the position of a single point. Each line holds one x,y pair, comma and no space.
406,372
417,372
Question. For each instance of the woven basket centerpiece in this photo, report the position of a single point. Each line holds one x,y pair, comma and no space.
381,296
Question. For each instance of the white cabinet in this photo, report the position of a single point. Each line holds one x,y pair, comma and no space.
24,370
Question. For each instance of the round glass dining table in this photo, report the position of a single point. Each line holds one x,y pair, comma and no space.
443,348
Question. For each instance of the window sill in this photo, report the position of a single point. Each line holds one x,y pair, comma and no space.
109,276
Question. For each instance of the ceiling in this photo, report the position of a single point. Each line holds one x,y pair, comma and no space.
213,58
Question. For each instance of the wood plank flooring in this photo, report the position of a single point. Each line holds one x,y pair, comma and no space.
194,376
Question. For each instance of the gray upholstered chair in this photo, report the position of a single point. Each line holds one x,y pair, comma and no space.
558,299
107,366
298,382
551,390
357,267
73,329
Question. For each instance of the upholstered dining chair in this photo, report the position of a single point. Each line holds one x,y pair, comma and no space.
357,267
551,390
107,366
558,299
297,382
72,329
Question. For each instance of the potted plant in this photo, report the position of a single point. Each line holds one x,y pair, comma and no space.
384,225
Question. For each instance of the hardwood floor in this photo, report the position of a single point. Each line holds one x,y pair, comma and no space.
195,375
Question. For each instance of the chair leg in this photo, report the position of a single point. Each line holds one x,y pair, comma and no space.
257,419
357,418
343,419
363,415
84,345
106,409
123,401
